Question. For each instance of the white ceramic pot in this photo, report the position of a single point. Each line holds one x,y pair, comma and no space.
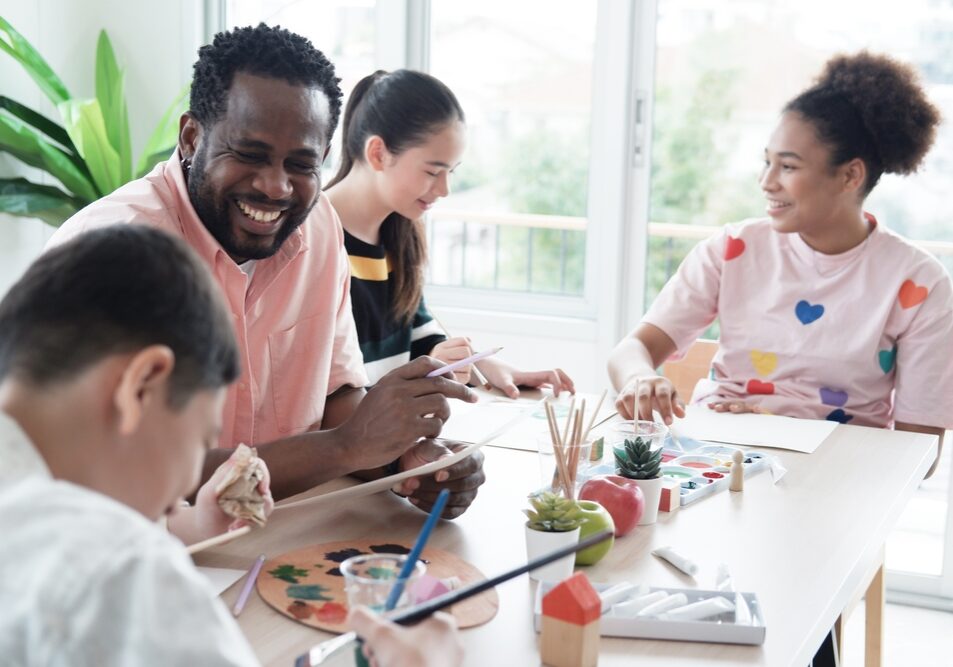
652,492
540,543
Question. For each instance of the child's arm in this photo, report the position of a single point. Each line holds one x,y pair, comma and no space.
206,519
508,378
431,643
632,367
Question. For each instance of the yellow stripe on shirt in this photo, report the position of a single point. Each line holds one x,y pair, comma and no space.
369,268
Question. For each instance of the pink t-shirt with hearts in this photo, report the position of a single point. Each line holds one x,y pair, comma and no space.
864,337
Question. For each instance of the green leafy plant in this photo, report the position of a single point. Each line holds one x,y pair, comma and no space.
553,514
637,460
90,153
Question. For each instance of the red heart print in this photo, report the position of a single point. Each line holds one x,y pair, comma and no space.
759,387
912,294
733,248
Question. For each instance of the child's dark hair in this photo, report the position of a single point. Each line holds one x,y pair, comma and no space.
113,291
870,107
403,108
263,51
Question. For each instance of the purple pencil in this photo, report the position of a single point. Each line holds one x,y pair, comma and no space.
249,584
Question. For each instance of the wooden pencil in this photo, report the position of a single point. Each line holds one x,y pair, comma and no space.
218,539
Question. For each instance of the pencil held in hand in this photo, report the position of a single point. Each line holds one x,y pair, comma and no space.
449,368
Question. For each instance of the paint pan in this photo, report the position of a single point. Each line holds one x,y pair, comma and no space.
678,472
697,461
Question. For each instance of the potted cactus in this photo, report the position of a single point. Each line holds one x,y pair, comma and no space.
553,522
639,458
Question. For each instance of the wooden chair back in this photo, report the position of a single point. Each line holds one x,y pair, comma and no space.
686,372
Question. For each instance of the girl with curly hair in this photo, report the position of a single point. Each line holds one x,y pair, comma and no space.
825,313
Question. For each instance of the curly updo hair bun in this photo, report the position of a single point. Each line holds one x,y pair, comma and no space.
872,107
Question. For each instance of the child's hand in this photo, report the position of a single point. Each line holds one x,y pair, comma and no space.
434,642
454,349
507,379
206,519
641,396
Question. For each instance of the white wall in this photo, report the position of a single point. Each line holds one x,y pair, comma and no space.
155,43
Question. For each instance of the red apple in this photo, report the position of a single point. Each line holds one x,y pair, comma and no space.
621,496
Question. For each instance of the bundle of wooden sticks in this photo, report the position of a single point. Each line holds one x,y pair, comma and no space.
567,447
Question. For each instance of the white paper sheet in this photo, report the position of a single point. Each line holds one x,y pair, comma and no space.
470,422
220,577
752,430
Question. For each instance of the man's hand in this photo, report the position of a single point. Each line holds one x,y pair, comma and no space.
401,408
462,479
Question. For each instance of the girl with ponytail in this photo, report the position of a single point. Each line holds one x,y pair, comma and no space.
825,313
403,135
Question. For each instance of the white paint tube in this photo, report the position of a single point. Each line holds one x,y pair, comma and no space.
700,610
633,607
662,606
742,610
618,593
676,559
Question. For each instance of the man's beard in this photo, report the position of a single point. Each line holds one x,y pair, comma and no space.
213,212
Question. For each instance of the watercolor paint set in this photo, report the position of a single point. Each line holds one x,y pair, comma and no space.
705,471
678,614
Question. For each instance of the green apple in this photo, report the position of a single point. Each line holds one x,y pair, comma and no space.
596,518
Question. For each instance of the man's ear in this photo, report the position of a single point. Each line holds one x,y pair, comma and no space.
375,152
144,381
189,133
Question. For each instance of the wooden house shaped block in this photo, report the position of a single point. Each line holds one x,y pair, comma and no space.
570,629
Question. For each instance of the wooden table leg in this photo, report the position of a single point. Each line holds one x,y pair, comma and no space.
839,626
874,620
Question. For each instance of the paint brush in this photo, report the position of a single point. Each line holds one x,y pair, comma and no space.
249,584
218,539
410,615
449,368
418,547
480,377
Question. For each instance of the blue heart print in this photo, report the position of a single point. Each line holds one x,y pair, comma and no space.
808,313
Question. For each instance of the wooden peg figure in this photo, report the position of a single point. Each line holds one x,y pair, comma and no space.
570,632
736,480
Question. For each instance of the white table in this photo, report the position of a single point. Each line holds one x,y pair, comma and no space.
806,546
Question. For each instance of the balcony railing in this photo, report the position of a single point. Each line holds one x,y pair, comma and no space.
504,251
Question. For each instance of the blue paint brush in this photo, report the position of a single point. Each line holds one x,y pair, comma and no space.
414,554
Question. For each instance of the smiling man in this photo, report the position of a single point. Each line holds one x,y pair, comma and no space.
243,188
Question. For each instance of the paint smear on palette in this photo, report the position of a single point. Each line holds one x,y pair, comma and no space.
399,549
329,612
288,573
308,592
342,555
380,572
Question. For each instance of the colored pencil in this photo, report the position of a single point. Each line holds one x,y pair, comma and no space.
218,539
480,377
410,615
418,547
449,368
249,584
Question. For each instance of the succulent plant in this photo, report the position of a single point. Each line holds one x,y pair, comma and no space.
553,514
637,460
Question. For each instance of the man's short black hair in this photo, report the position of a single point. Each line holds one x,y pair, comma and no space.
263,51
113,291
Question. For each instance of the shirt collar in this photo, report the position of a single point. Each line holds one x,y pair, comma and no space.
20,458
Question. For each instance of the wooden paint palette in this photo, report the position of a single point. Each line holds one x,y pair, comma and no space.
307,585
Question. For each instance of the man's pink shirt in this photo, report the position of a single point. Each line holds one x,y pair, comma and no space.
293,322
864,337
